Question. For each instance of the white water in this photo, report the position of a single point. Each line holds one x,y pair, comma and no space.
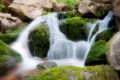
67,52
21,46
62,50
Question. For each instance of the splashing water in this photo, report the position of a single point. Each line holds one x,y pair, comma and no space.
62,50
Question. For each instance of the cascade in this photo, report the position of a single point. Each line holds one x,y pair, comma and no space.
62,51
67,52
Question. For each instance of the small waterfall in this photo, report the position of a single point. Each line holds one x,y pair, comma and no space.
21,46
62,50
67,52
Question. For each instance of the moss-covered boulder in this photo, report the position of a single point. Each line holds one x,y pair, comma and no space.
39,41
74,28
96,54
102,72
106,35
8,58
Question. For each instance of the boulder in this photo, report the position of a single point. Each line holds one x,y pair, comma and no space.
46,65
7,22
96,55
74,28
8,58
30,9
113,51
93,7
116,10
101,72
39,41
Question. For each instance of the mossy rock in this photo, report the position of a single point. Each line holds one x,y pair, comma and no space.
9,38
8,58
96,54
12,34
101,72
74,28
106,35
39,41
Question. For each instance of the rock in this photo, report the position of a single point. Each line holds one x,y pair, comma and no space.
74,28
6,2
116,10
93,7
101,72
113,51
30,9
12,34
7,22
8,58
96,55
39,41
46,65
59,7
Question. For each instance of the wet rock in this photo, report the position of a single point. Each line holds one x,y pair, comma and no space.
46,65
113,51
7,22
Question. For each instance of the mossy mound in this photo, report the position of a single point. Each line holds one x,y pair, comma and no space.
102,72
39,41
74,28
97,54
8,57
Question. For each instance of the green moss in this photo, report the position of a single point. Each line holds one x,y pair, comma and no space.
9,38
12,34
74,28
97,53
106,35
39,41
5,50
102,72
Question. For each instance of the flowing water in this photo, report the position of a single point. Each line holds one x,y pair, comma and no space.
62,51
